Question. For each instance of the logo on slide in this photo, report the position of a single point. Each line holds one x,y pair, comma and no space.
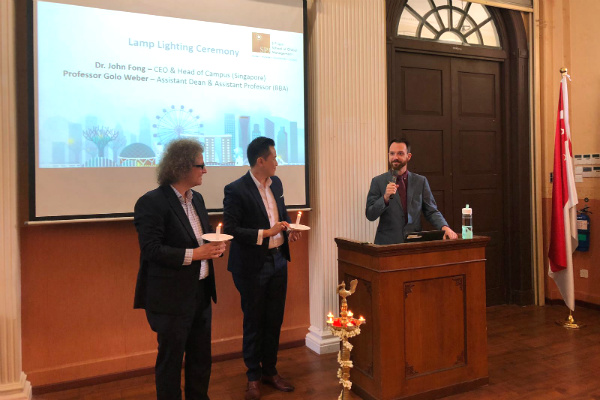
261,42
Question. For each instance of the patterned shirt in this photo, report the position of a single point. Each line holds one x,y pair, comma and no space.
190,211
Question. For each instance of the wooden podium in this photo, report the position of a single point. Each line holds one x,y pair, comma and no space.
424,303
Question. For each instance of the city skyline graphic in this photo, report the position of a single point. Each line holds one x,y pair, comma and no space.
91,143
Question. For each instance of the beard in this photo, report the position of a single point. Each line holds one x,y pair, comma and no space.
397,166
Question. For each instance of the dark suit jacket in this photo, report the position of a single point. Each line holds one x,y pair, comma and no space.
391,228
244,214
164,285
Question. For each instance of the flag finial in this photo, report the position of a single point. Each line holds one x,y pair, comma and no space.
563,71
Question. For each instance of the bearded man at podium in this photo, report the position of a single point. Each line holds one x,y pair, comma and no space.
399,197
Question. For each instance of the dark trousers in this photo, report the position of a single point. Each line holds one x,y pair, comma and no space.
188,334
263,302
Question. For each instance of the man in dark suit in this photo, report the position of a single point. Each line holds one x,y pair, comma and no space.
254,213
176,280
399,197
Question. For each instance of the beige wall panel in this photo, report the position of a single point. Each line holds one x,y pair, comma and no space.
568,39
347,100
78,316
13,381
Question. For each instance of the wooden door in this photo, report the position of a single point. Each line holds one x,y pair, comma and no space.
421,112
450,110
478,179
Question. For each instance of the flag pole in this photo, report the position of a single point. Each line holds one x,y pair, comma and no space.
569,322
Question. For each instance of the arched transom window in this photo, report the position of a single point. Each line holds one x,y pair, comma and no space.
449,21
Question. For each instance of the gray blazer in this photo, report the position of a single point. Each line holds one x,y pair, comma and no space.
391,228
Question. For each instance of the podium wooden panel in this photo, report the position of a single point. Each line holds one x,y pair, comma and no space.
424,304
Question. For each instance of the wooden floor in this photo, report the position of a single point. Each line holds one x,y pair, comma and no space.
530,357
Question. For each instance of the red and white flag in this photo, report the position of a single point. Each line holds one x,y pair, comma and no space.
563,230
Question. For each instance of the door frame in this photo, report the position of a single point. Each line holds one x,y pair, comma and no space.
514,58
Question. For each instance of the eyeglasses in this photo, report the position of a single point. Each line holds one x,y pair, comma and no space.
201,166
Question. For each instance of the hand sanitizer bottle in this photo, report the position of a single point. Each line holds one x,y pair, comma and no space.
467,223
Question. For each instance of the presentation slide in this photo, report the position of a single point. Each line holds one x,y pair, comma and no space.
115,87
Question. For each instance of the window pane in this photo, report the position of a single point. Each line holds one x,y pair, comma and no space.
420,6
474,39
450,37
408,25
444,16
439,26
490,35
434,22
460,4
467,26
456,16
478,13
426,33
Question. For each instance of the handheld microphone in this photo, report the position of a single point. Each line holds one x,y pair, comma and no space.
395,176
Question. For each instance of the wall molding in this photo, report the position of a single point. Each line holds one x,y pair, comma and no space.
13,382
69,376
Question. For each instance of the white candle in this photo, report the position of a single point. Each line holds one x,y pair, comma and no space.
298,217
219,230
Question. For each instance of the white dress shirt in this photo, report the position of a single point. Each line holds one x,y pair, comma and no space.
271,206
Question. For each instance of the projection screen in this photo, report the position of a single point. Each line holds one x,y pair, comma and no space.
114,82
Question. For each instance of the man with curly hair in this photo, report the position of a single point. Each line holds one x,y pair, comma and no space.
176,280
